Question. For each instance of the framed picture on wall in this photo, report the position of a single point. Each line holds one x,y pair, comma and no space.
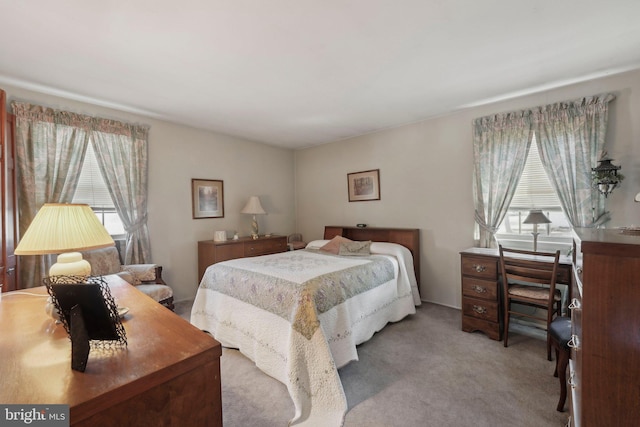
364,186
207,198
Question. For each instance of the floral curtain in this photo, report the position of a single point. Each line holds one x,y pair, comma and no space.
50,148
571,137
500,148
121,151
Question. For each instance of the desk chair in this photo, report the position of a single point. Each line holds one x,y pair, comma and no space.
529,278
560,333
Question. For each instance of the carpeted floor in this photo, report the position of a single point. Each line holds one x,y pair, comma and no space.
421,371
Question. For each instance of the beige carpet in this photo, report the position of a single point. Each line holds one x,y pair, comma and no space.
421,371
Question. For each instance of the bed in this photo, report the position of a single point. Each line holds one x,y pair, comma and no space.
299,315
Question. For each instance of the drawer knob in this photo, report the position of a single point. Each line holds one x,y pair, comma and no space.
574,342
479,289
575,304
479,268
479,309
572,381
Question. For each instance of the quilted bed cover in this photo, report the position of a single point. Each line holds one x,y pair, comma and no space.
299,315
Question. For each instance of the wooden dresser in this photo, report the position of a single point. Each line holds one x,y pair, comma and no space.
211,252
605,313
168,375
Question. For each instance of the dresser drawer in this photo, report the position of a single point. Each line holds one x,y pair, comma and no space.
264,247
480,267
481,309
477,288
228,252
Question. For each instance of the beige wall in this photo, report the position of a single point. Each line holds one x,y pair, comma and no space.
425,172
426,176
176,155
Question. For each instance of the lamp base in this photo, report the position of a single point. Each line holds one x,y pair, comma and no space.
254,228
535,242
71,264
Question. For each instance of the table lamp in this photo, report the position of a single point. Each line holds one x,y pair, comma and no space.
88,312
536,217
254,208
65,229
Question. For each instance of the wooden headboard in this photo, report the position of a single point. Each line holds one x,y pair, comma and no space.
408,237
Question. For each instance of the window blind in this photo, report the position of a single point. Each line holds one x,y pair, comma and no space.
534,189
92,189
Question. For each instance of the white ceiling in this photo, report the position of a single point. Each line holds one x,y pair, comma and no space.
296,73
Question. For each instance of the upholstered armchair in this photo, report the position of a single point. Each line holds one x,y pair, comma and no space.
147,278
294,241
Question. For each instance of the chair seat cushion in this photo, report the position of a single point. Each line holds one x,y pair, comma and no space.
533,292
560,330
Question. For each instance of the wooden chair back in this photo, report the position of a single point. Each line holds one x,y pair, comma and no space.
529,267
529,278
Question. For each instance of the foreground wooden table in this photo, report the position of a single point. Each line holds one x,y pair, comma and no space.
168,375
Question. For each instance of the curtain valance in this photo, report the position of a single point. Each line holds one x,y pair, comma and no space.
559,111
32,113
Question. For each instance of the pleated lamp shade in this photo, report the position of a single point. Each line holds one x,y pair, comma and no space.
60,228
253,207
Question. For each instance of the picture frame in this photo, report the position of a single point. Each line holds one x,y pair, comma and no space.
364,186
89,314
207,198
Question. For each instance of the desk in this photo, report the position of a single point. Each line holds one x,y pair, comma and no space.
481,290
168,375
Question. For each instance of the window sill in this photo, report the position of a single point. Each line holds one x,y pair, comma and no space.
545,243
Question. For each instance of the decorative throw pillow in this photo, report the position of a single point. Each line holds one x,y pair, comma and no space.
333,245
355,248
129,277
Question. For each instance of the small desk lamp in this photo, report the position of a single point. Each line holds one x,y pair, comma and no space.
536,217
254,208
65,229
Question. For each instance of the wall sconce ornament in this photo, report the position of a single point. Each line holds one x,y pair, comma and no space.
605,176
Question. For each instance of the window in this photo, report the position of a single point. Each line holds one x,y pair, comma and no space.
93,191
534,191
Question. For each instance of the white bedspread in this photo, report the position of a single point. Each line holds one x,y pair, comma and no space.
304,358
